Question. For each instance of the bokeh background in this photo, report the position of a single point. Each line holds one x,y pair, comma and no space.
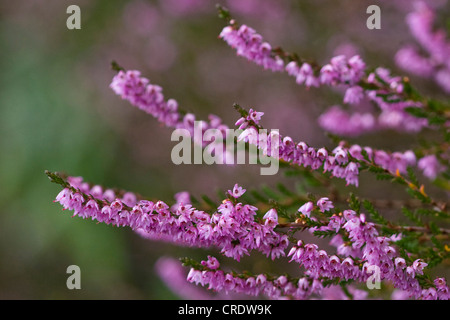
58,113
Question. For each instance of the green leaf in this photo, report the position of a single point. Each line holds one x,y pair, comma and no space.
434,228
434,258
292,173
285,190
418,195
383,176
270,193
365,155
375,169
312,223
408,244
223,13
412,216
116,67
399,181
417,112
354,203
311,197
437,120
437,243
412,176
259,197
437,106
374,214
324,234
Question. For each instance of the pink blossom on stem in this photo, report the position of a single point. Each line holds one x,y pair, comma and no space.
250,45
430,166
232,228
237,191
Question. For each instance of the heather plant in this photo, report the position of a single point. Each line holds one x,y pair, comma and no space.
368,249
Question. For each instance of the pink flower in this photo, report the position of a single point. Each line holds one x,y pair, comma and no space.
418,266
212,263
353,95
254,116
237,191
271,218
430,166
325,204
306,208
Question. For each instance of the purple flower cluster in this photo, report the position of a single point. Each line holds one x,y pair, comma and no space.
237,191
232,228
147,97
131,86
139,92
100,193
343,123
377,251
338,162
439,291
388,98
256,285
434,42
318,264
386,91
430,166
236,229
371,248
392,104
340,70
250,45
352,124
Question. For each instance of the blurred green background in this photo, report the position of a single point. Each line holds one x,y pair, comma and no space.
57,113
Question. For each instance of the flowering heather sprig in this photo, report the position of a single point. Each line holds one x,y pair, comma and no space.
393,106
343,123
430,166
232,228
236,229
392,94
250,45
410,60
98,192
318,264
339,71
138,90
173,275
351,124
147,97
342,162
281,287
372,250
392,102
434,42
